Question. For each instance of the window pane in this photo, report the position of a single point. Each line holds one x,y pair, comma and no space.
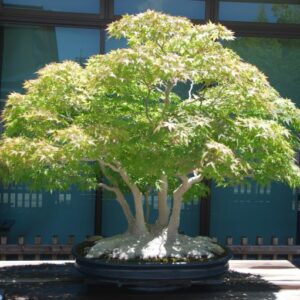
194,9
28,48
279,59
113,44
86,6
259,12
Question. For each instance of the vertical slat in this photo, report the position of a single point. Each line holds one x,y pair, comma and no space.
55,241
205,211
275,242
98,211
37,241
244,242
21,242
290,242
229,241
71,241
259,242
3,241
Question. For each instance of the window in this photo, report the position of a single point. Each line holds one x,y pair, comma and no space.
86,6
28,48
259,12
193,9
278,58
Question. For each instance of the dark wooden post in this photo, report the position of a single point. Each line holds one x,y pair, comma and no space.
275,242
290,242
259,242
244,242
37,242
55,242
98,211
21,243
205,212
3,241
71,241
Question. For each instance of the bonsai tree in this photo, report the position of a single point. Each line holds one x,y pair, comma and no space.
170,112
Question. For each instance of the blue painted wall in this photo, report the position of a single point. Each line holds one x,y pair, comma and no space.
46,214
252,210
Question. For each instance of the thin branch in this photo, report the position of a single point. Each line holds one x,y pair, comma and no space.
195,179
190,90
122,201
108,187
116,189
111,166
137,195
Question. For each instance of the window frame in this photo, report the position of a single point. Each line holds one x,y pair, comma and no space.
106,16
206,13
243,28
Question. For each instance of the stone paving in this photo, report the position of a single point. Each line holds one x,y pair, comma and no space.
59,280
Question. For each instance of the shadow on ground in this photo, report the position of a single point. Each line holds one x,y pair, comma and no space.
32,283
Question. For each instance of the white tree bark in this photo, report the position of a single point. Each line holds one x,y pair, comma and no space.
140,224
163,208
186,184
123,203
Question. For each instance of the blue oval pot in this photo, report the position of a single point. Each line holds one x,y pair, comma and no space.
150,274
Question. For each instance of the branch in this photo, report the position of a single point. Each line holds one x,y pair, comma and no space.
190,90
187,183
111,166
195,179
137,195
108,187
119,195
121,200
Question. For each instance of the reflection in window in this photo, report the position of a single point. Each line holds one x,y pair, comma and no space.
279,59
259,12
28,48
86,6
113,44
193,9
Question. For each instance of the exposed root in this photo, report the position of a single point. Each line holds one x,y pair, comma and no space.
149,247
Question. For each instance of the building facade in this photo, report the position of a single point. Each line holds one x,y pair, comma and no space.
36,32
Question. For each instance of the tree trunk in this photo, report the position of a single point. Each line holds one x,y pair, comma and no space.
175,216
163,208
126,209
186,184
140,224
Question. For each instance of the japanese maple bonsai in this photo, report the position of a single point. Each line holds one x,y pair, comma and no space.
174,109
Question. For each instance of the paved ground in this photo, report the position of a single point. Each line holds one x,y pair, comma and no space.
253,280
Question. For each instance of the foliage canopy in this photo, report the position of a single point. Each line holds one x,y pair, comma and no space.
176,102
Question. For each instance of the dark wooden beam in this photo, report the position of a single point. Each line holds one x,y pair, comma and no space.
264,29
1,53
12,15
98,211
265,250
211,6
264,1
205,213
